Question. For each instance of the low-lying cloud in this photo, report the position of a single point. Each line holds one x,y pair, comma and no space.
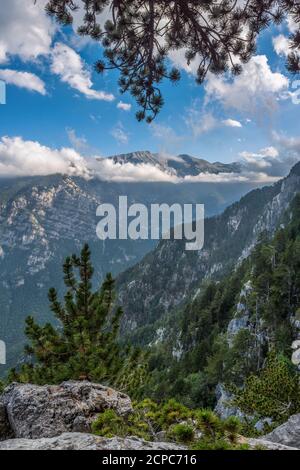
19,157
27,158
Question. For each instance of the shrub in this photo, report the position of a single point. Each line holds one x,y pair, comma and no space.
274,393
181,433
109,424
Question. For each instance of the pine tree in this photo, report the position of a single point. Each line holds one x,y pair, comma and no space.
85,344
219,36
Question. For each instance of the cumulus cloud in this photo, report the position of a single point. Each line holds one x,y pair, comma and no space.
289,145
25,30
19,157
71,69
124,106
257,89
281,45
27,158
26,80
275,162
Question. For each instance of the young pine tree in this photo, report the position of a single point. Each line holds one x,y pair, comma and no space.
85,346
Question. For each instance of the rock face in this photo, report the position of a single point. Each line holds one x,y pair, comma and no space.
168,276
263,443
44,412
223,408
5,429
288,433
78,441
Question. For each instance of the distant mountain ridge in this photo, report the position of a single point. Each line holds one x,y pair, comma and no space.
181,165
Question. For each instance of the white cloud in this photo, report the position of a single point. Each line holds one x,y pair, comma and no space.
26,80
232,123
124,106
25,30
281,45
273,161
120,134
108,170
69,66
288,144
244,177
19,157
255,91
27,158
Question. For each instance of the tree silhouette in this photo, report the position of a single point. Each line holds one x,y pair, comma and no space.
137,39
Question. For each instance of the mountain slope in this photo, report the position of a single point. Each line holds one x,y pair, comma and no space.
169,275
44,219
226,333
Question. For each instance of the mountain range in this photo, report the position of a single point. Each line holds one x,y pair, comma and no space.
181,165
169,276
45,218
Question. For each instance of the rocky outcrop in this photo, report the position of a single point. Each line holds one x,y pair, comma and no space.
44,412
288,433
267,445
78,441
224,408
5,429
296,353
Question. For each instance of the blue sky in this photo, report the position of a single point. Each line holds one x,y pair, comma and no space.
253,117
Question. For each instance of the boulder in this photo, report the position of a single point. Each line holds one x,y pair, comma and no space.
48,411
296,357
267,445
288,433
5,429
78,441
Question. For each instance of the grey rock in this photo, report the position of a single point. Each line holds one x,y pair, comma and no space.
36,412
77,441
262,423
235,326
263,443
224,409
296,358
5,429
288,433
296,345
161,437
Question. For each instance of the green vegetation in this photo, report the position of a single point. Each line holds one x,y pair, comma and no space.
207,357
193,428
197,353
275,392
85,345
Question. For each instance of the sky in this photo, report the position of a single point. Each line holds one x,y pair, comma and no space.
59,110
